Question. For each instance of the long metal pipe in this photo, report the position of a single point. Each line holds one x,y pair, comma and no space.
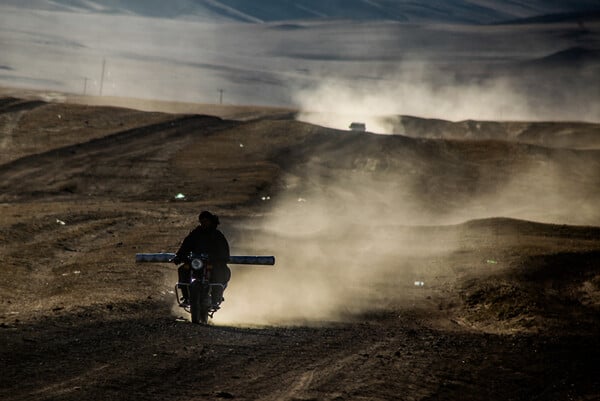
165,257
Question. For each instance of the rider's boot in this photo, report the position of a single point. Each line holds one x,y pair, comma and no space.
185,295
217,296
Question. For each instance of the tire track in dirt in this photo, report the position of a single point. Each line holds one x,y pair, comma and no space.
63,388
12,111
11,121
361,369
117,165
305,385
66,248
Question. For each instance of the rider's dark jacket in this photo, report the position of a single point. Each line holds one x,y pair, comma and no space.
212,242
208,241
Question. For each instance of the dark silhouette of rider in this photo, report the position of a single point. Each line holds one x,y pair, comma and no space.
206,239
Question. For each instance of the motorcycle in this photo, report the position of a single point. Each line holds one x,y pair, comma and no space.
199,290
196,296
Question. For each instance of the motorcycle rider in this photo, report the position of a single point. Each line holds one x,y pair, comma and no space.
206,239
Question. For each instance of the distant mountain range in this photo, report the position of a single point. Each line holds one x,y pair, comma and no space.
259,11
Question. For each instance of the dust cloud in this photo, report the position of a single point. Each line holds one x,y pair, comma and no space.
337,257
356,240
559,190
425,91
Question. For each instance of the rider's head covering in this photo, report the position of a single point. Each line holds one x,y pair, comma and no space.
205,214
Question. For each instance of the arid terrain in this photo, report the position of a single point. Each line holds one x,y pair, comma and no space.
450,261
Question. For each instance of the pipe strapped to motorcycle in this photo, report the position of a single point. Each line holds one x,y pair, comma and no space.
199,289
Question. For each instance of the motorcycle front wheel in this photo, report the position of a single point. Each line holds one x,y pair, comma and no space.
198,305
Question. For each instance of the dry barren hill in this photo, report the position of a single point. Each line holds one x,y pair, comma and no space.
413,268
83,151
576,135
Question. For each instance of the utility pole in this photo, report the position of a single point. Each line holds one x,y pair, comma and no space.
85,79
102,75
221,96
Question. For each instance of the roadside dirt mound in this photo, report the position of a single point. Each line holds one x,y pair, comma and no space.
544,293
387,282
531,277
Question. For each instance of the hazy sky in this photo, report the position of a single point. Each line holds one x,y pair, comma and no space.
541,71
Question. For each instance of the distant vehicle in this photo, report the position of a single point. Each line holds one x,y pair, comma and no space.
199,288
358,127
